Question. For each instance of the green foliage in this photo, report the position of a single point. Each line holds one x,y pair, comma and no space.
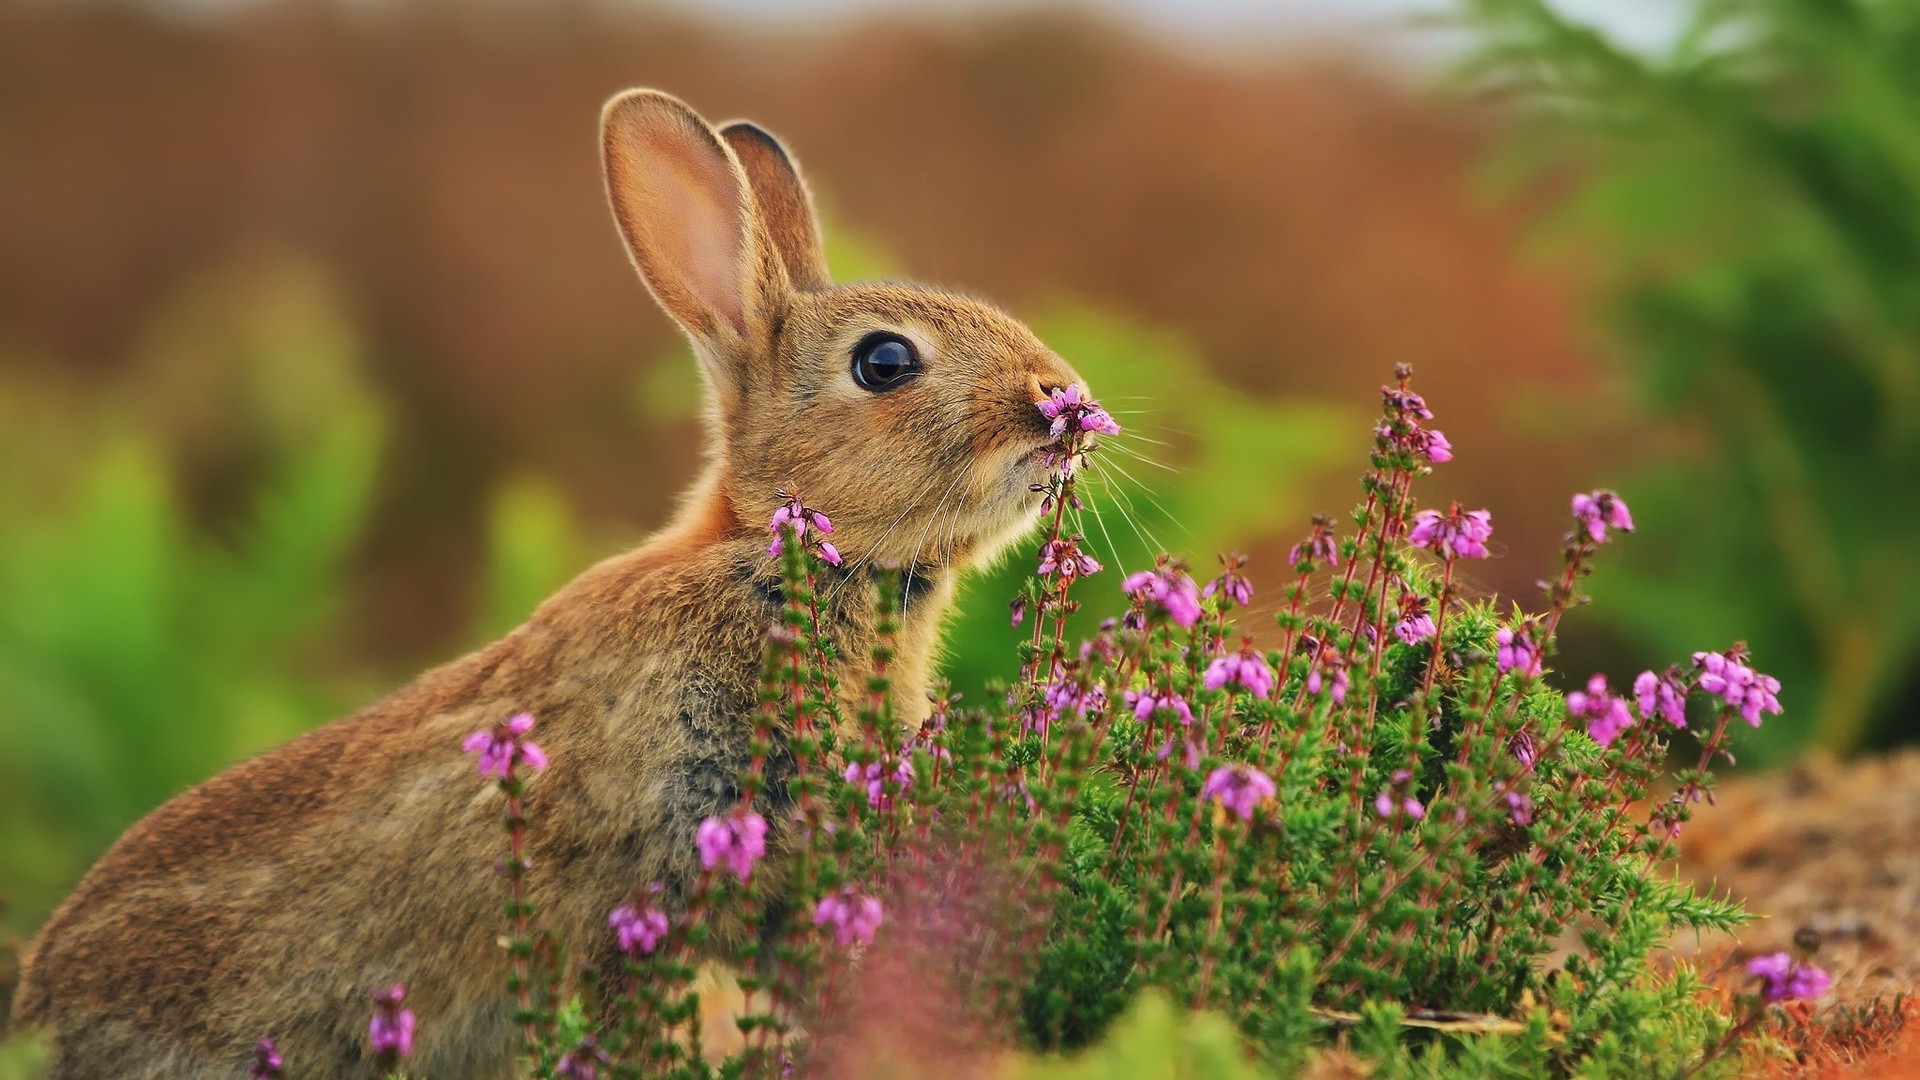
1755,194
1154,1041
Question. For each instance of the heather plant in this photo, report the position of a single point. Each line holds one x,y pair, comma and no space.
1379,825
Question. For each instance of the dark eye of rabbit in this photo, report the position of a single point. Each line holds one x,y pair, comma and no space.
883,361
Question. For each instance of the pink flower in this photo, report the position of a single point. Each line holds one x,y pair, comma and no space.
503,747
1516,651
1232,582
583,1062
1606,715
1329,672
1238,788
1600,510
1524,750
1660,695
1317,547
1169,588
853,916
1520,808
1738,685
1072,410
391,1029
738,840
875,775
1431,445
1246,669
1782,979
1065,558
640,929
1454,534
266,1061
1065,694
1386,806
1414,628
1407,405
1144,702
802,520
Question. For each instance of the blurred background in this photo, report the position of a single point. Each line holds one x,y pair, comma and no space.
320,360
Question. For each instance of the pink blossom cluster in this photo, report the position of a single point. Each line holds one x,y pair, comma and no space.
874,774
1598,511
1515,650
738,840
1071,409
1746,690
1782,978
1238,788
641,926
391,1030
1168,588
1606,715
853,915
791,514
505,746
1064,557
1245,669
1662,696
1405,410
1232,582
1457,533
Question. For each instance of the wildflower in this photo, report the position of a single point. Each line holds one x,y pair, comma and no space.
1783,979
1738,685
1144,702
1405,403
583,1062
1246,669
266,1061
1660,695
1520,808
1516,651
1524,750
1072,410
1606,715
739,840
1017,610
1328,672
1065,558
391,1029
1232,582
640,928
1317,547
1599,511
1414,628
1238,788
875,775
1168,587
1454,534
1067,694
802,520
503,747
1386,805
853,916
1431,445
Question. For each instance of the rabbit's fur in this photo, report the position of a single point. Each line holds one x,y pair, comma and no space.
275,897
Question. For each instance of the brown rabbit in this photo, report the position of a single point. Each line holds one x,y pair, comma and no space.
275,897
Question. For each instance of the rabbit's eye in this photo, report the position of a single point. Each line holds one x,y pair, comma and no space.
883,361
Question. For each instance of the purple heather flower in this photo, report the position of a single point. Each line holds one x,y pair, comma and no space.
1520,808
1738,685
1599,511
1072,410
739,840
1431,445
1169,587
1383,804
391,1029
1662,696
1454,534
1399,399
1607,716
1143,702
503,747
1784,979
1516,651
874,773
853,916
583,1062
1317,547
1328,672
1065,557
1246,669
1524,750
266,1061
1066,694
1414,628
640,929
1238,788
1232,582
801,519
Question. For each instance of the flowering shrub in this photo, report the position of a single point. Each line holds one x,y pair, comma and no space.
1378,814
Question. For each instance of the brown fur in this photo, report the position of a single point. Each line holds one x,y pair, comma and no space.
275,897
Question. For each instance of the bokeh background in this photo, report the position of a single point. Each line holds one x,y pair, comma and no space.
320,361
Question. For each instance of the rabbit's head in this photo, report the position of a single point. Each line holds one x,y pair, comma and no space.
905,413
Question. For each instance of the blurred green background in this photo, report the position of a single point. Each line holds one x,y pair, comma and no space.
320,361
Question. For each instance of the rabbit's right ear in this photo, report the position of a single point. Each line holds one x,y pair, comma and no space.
785,206
690,223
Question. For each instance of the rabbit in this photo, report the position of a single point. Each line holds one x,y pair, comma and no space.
274,898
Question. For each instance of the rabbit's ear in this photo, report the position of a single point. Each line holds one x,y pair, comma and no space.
690,222
785,206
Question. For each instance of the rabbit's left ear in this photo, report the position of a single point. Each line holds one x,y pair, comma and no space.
785,207
691,223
